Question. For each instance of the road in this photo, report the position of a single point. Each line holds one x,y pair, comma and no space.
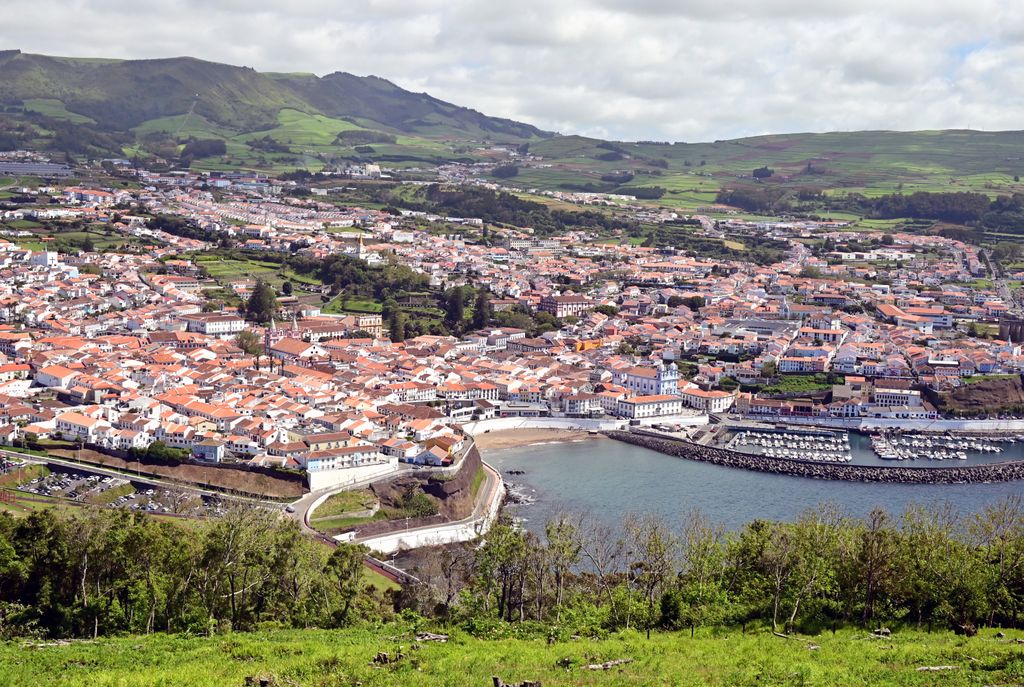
1002,284
299,510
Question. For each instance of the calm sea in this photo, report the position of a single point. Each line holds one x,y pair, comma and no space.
607,479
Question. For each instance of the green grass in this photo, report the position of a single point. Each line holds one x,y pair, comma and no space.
302,129
478,480
230,270
374,579
345,657
353,304
22,475
978,379
345,502
797,384
56,109
341,522
110,495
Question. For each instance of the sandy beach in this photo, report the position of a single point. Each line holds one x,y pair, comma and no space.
514,438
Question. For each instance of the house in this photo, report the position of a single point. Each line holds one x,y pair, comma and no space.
56,376
403,449
76,425
209,450
435,455
295,349
657,380
564,306
214,324
708,401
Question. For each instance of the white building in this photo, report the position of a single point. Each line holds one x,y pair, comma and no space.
346,466
214,324
708,401
638,407
659,380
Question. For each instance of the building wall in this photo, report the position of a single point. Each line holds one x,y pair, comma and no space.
325,479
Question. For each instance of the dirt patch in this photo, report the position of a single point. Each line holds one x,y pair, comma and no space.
989,396
240,481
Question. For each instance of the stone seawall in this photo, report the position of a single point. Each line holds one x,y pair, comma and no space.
974,474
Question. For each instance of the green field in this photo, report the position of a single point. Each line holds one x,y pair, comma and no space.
346,657
800,383
56,109
340,305
871,163
345,502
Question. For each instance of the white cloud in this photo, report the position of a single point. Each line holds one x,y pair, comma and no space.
646,69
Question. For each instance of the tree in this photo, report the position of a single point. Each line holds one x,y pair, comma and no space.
763,172
287,288
564,544
454,307
32,441
250,343
344,570
505,171
397,325
697,596
655,551
482,310
262,304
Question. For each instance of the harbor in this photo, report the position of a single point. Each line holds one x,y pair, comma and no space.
947,446
826,447
909,448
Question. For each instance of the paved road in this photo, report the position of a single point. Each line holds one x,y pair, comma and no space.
299,510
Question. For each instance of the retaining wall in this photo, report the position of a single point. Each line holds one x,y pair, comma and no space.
444,534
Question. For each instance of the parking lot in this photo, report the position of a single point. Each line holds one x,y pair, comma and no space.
112,492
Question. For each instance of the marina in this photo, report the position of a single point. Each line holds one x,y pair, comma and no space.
825,447
912,449
948,446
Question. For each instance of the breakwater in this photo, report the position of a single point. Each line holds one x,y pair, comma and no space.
974,474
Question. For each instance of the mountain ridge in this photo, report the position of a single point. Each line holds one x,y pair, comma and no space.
122,94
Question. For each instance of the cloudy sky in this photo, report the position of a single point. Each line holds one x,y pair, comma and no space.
681,70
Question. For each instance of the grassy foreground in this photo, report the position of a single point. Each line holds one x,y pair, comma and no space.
322,658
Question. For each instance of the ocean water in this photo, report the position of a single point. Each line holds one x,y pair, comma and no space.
606,479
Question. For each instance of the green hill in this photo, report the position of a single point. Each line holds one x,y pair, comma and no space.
275,122
124,94
868,162
114,107
346,657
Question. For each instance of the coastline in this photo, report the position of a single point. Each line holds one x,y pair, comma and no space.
518,438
